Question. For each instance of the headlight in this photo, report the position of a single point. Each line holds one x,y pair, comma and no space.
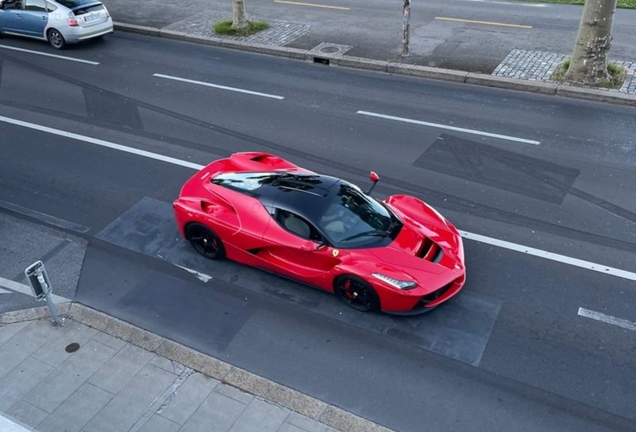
403,285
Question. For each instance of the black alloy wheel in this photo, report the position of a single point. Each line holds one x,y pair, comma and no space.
205,241
357,294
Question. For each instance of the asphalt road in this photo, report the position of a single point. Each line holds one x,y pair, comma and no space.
443,32
512,352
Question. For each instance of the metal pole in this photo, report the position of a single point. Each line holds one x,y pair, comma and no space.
47,294
406,27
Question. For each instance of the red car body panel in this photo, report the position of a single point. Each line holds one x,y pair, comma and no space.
427,250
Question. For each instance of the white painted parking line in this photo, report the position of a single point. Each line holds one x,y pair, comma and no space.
99,142
201,276
551,256
608,319
451,128
7,425
24,289
206,84
50,55
471,236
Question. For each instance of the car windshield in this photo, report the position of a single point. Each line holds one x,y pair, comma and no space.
353,219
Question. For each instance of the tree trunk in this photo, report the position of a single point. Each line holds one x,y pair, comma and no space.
589,59
239,20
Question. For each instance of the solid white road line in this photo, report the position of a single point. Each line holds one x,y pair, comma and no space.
3,291
538,5
24,289
471,236
50,55
101,143
619,322
551,256
452,128
238,90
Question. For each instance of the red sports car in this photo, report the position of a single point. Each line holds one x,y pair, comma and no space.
399,256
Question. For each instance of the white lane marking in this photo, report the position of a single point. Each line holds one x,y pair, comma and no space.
199,275
608,319
234,89
24,289
101,143
452,128
50,55
551,256
471,236
7,425
539,5
2,291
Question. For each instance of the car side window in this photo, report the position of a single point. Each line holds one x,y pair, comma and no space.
35,5
50,7
297,225
12,5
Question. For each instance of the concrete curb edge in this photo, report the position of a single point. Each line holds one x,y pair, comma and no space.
243,380
565,90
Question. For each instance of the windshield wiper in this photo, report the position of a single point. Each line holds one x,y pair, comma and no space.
373,233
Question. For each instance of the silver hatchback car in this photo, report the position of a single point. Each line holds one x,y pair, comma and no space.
59,21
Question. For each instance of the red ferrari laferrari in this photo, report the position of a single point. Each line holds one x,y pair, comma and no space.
399,256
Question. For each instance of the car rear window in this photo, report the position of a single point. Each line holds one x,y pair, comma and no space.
83,5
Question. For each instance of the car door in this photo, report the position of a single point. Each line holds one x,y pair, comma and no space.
34,18
11,19
295,248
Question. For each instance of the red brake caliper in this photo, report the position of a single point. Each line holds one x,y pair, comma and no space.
347,287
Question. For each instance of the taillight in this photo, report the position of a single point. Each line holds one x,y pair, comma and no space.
71,19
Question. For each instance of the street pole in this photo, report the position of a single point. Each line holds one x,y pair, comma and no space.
40,283
406,27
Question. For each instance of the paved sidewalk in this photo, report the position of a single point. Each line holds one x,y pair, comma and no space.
112,385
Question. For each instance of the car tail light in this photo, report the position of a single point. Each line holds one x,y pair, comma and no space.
72,21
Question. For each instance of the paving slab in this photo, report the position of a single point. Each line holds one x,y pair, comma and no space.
121,368
21,380
187,398
77,410
216,414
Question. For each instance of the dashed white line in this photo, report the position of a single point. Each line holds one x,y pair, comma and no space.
608,319
100,142
588,265
24,289
471,236
49,55
451,128
206,84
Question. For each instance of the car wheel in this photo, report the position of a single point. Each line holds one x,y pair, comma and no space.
356,293
205,241
56,39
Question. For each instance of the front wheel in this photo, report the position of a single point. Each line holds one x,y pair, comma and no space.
56,39
205,241
357,293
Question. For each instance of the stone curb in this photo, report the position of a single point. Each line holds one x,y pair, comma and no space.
243,380
394,68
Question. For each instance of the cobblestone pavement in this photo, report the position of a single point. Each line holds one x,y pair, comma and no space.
540,65
279,34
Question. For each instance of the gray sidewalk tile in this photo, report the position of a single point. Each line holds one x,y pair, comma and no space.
53,352
130,404
109,341
15,350
26,413
7,331
188,397
216,414
77,410
260,416
71,374
234,393
21,381
286,427
305,423
168,365
159,424
121,368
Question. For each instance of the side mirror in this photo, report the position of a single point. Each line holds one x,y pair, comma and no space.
375,179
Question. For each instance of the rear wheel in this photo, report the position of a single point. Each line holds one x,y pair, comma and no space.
205,241
56,39
357,293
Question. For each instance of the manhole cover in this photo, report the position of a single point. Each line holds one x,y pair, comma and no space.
329,49
71,348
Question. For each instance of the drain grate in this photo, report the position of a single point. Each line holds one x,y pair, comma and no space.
325,51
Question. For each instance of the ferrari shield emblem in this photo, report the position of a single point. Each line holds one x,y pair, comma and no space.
335,252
